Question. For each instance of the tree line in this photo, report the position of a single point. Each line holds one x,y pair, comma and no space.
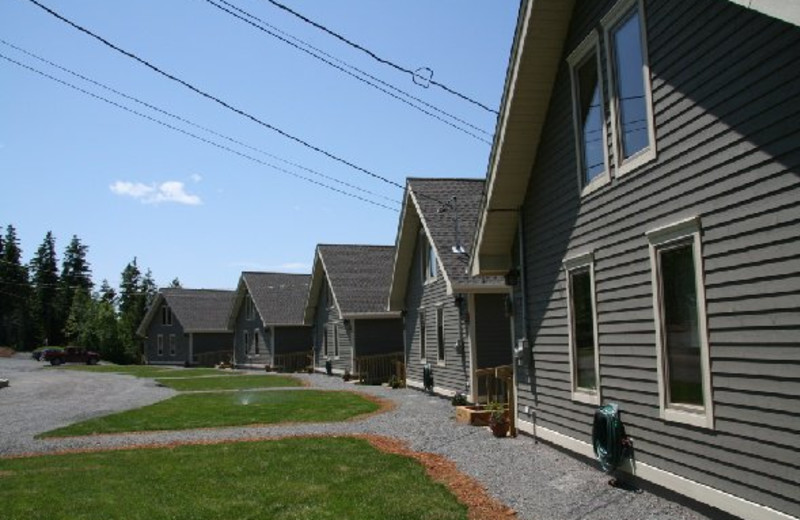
41,304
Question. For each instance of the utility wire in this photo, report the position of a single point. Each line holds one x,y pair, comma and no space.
216,99
377,58
340,65
188,122
195,136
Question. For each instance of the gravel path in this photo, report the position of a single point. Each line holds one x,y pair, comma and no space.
538,481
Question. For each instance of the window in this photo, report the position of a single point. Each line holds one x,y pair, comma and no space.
251,309
582,317
684,377
629,83
422,334
325,341
166,315
336,341
440,334
246,342
588,114
172,344
430,267
160,344
255,341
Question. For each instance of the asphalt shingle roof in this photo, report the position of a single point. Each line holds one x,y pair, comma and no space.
279,297
429,195
360,275
200,310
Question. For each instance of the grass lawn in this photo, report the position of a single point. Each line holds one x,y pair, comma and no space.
229,382
188,411
288,479
147,370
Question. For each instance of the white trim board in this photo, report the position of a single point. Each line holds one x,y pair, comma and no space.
702,493
444,392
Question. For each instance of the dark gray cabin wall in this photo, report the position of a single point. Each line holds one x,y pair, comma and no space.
320,320
242,355
492,331
725,87
204,342
293,339
379,336
453,376
327,320
181,341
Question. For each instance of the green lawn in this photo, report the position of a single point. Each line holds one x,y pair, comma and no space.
229,382
147,370
289,479
186,411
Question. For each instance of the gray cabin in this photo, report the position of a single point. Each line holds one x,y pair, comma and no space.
456,324
643,194
267,321
187,327
346,305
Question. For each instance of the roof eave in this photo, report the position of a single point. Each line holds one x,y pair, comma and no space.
371,315
404,252
535,59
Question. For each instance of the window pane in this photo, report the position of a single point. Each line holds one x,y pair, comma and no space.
440,332
628,63
681,331
583,328
591,119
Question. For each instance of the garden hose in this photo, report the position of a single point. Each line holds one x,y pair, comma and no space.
608,437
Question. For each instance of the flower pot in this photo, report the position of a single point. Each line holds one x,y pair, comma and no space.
499,428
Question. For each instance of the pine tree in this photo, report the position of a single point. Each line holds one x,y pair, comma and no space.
44,273
133,299
107,293
175,283
75,275
15,320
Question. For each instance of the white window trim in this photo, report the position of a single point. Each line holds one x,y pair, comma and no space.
427,249
589,44
166,315
173,347
684,230
440,326
614,15
160,344
582,395
423,333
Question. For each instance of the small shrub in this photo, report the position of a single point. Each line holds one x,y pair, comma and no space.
460,399
347,375
396,382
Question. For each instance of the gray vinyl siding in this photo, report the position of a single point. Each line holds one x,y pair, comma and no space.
492,331
379,336
726,81
292,339
242,354
453,375
326,321
181,341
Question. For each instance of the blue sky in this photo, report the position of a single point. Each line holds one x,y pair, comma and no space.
129,187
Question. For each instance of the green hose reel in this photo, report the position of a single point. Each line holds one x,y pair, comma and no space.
611,444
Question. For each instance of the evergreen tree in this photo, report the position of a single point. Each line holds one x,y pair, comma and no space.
15,320
44,273
175,284
136,293
77,328
107,293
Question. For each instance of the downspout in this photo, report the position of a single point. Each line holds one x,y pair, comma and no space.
524,313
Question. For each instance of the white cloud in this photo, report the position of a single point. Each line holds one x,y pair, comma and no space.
196,177
170,191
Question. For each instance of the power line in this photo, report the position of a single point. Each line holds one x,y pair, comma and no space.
195,136
377,58
216,99
329,59
191,123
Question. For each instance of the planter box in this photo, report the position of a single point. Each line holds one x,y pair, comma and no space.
473,415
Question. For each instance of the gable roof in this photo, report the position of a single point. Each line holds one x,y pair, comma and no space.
536,52
447,212
197,310
279,297
359,276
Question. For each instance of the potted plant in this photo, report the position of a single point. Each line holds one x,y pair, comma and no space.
498,419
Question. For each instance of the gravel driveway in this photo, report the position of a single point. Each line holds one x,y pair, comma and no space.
538,481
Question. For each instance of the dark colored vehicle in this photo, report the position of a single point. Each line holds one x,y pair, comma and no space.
70,355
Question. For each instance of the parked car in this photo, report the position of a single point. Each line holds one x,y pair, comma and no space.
39,352
70,355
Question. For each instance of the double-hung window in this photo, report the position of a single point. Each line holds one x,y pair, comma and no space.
160,344
172,346
430,266
325,341
336,341
684,376
246,342
256,345
629,84
589,114
440,335
582,317
166,315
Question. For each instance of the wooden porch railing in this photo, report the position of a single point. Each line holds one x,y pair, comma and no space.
378,368
498,386
294,361
209,359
